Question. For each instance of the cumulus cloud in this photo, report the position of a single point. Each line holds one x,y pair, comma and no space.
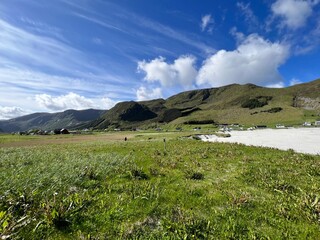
144,93
256,60
181,72
11,112
294,13
107,103
72,101
206,23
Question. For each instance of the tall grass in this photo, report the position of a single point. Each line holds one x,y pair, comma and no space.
135,190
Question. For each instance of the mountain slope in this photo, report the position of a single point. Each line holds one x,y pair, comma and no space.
50,121
244,104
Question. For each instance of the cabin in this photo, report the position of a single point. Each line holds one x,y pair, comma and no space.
61,131
64,131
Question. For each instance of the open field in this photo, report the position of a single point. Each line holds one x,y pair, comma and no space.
25,141
101,187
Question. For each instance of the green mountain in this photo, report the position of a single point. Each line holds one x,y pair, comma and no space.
49,121
244,104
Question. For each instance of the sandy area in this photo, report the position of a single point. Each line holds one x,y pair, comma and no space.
303,140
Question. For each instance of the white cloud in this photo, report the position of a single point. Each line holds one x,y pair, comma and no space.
239,36
97,41
107,103
181,72
256,60
294,13
168,32
295,81
72,101
23,49
276,85
206,23
144,93
69,101
310,41
249,16
11,112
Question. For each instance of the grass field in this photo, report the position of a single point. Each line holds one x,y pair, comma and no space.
101,187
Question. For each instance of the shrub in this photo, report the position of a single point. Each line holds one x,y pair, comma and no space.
257,102
195,175
274,110
253,103
139,174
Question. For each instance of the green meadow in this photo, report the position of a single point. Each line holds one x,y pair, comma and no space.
145,188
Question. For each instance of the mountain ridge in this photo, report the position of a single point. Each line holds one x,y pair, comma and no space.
245,104
235,103
49,121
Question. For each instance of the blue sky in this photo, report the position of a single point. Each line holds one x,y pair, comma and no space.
78,54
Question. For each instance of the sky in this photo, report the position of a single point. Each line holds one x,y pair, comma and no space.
79,54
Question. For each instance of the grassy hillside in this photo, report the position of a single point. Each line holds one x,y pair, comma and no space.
245,104
141,189
50,121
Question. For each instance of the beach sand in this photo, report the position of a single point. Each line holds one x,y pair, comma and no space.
303,140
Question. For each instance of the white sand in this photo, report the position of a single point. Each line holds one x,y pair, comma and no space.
303,140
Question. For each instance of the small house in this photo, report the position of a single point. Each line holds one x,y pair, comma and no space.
64,131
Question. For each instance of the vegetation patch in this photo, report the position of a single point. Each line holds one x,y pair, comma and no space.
195,175
194,122
273,110
256,102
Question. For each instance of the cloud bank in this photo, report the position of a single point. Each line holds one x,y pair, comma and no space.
255,60
11,112
72,101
